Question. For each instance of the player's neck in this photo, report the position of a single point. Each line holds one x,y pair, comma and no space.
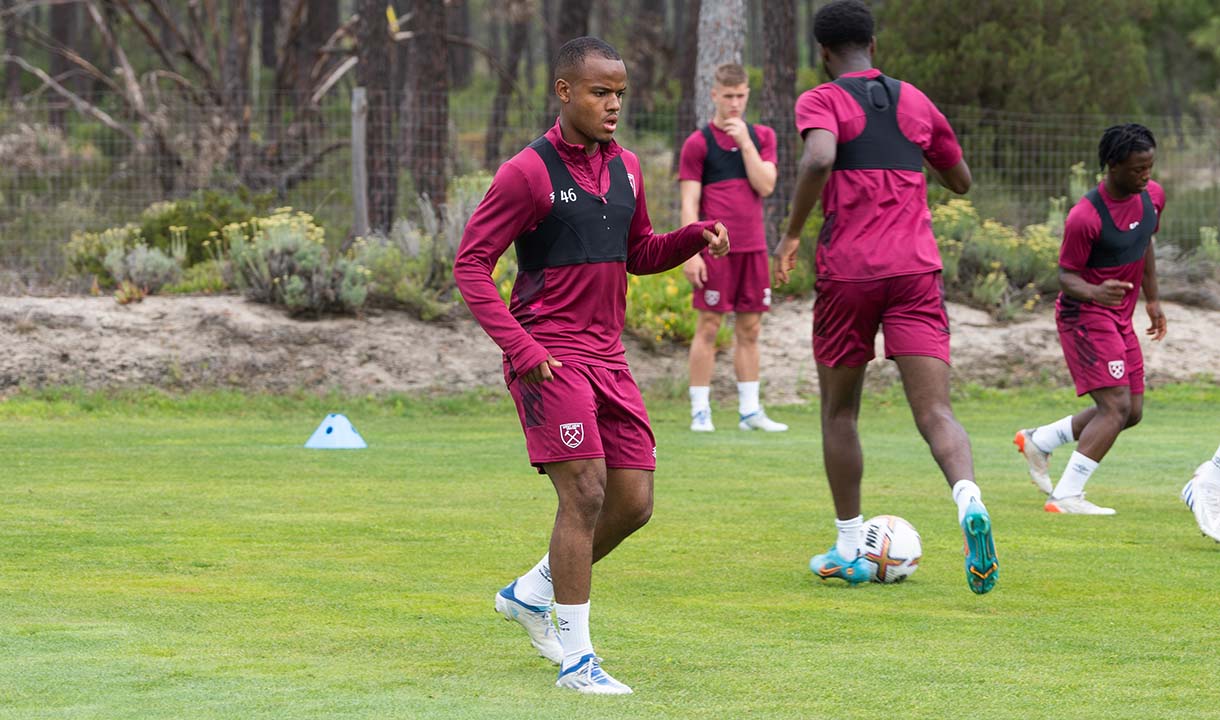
1113,191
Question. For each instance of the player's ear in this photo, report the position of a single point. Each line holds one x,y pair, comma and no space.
563,90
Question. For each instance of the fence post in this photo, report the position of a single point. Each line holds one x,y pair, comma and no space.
360,178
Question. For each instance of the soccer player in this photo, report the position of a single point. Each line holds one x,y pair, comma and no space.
726,168
867,139
1106,256
1202,495
573,203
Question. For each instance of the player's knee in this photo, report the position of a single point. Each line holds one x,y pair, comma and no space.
585,497
1134,417
642,513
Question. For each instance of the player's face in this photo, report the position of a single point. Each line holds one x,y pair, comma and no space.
1132,175
592,101
730,100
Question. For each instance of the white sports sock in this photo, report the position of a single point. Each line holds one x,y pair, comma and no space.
573,621
963,492
1075,475
848,542
700,398
534,587
1049,437
747,398
1216,459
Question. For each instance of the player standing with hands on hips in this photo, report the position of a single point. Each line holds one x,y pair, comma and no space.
573,203
1107,255
867,140
725,170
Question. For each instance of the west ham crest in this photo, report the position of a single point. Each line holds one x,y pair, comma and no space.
572,434
1117,369
711,297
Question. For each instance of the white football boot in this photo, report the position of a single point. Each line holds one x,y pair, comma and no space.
535,619
1075,505
701,421
1202,496
587,677
758,420
1039,470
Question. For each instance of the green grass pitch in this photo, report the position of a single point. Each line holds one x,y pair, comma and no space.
186,558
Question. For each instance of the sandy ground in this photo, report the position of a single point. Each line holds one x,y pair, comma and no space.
192,342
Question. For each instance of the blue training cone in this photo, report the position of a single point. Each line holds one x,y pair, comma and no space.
335,433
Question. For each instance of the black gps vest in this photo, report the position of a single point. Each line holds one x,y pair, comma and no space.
881,146
581,227
1115,246
721,164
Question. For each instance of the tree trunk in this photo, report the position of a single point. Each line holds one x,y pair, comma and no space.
12,46
270,18
430,87
686,77
63,35
722,34
235,73
375,72
778,98
518,28
645,51
573,22
461,57
811,42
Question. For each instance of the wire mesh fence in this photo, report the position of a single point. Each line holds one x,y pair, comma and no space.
85,175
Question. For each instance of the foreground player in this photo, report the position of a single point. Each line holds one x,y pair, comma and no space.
1107,255
1202,495
573,202
867,139
726,169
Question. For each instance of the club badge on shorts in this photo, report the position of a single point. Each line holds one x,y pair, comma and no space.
1117,369
711,297
572,434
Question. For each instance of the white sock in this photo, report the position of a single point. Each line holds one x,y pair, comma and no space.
1075,475
1049,437
700,398
1216,459
747,398
534,587
965,491
848,542
573,621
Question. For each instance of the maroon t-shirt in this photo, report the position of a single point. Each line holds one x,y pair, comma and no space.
1083,227
732,201
580,310
881,223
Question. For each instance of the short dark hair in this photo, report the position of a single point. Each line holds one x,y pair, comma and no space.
843,25
573,53
1119,141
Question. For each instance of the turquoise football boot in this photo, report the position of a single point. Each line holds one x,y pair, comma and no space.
831,564
982,566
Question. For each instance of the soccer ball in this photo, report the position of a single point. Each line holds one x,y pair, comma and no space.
893,545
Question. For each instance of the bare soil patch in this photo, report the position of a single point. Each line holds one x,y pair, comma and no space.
183,343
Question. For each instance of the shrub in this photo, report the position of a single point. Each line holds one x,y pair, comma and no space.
206,277
282,260
146,268
192,220
86,252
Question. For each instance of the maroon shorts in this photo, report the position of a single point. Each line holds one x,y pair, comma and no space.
737,282
1100,353
584,412
909,308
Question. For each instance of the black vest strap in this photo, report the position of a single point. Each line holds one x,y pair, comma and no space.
881,146
581,227
1115,246
721,164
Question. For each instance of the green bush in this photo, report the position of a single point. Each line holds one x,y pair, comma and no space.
193,220
992,266
148,269
282,260
206,277
86,252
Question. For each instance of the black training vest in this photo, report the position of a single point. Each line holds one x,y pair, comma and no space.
1116,247
881,146
721,164
581,227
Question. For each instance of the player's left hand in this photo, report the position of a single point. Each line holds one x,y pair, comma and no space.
736,129
1156,328
718,243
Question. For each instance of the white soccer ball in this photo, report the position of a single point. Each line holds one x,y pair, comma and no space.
893,545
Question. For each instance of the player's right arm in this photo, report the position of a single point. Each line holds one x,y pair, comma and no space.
1080,231
690,193
817,162
508,210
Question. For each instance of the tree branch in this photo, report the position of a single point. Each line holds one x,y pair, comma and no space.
82,106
